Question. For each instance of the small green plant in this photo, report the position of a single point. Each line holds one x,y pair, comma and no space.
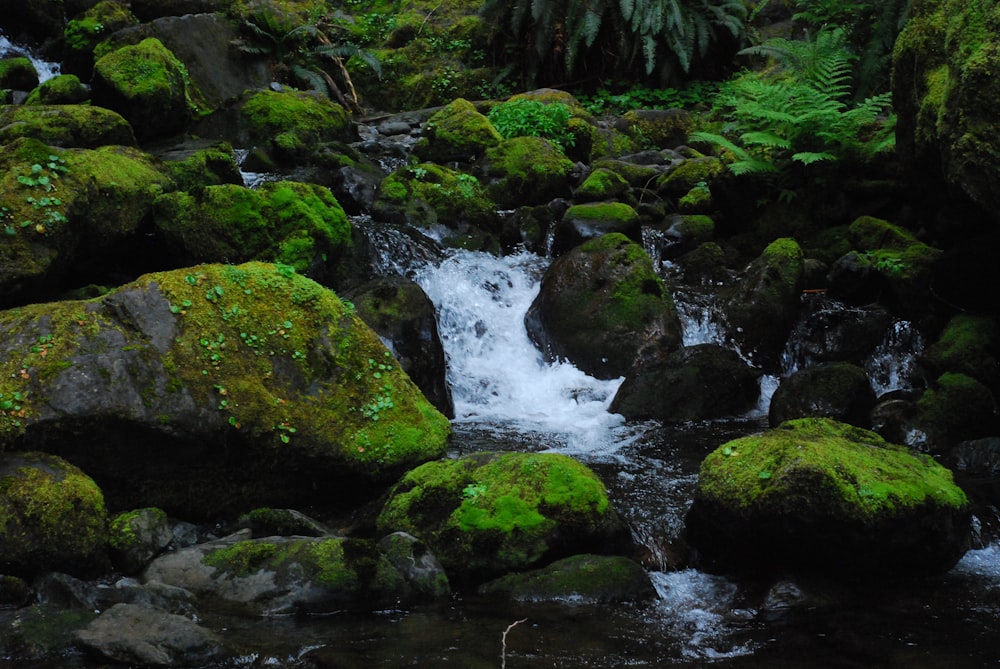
524,117
607,102
886,263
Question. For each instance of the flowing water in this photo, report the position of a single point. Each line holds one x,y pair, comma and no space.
46,69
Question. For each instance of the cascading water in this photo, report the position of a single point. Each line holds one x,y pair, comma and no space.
46,69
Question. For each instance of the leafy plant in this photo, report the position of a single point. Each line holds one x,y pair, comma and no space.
605,101
800,114
524,117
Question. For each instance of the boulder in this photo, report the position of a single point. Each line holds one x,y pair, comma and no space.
18,73
268,522
65,125
486,514
240,386
88,29
955,408
147,85
291,126
837,390
762,308
418,566
680,234
830,331
283,575
661,128
142,635
399,311
62,89
600,305
688,174
525,171
818,495
693,383
583,222
970,345
53,515
579,579
601,184
456,133
138,536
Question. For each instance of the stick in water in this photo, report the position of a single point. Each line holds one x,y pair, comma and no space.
503,642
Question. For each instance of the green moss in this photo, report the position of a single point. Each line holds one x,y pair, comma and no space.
428,194
968,344
121,530
145,70
244,558
17,73
601,184
526,170
831,467
636,294
208,167
456,132
690,173
868,233
83,33
59,90
957,405
293,123
603,212
65,125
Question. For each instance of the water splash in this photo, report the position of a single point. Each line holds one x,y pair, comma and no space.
46,69
497,375
893,363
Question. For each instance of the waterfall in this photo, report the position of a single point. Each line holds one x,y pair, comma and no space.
46,70
497,375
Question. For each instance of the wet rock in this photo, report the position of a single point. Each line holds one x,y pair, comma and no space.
833,332
815,495
525,171
209,372
600,305
583,222
837,390
956,408
411,558
693,383
18,73
282,575
970,345
456,133
137,536
138,634
580,579
663,128
43,632
399,311
267,522
490,513
54,516
291,126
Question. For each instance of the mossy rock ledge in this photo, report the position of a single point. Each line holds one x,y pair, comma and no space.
487,514
214,389
816,495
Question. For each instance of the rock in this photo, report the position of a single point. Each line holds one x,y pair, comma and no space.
88,29
138,634
662,128
956,408
64,89
297,224
66,125
489,513
680,234
818,495
138,536
53,514
149,10
583,222
525,171
242,385
970,345
267,522
197,164
580,579
456,133
15,592
601,184
146,84
18,74
42,632
37,20
762,308
600,305
284,575
693,383
830,331
688,174
291,126
411,558
837,390
398,310
704,266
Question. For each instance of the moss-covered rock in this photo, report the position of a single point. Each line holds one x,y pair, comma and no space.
65,125
269,522
955,408
456,133
815,494
946,96
969,345
147,85
525,171
18,73
283,575
583,222
489,513
837,390
600,305
200,166
661,128
52,515
297,224
292,125
417,564
85,31
428,195
580,579
240,386
601,184
63,89
762,308
138,536
689,174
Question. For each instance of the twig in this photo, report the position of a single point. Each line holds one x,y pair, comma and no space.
503,642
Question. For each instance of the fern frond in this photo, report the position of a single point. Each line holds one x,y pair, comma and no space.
720,140
768,139
744,167
810,157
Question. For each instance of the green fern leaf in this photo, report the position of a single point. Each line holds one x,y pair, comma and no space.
768,139
810,157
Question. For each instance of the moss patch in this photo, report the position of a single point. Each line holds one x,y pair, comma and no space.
291,124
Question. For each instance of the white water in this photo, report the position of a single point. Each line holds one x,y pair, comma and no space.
46,70
496,373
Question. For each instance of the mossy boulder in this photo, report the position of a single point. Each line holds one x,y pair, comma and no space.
70,211
580,579
18,73
195,167
600,305
136,537
762,308
489,513
601,184
970,345
85,31
428,195
63,89
421,569
690,173
946,96
525,171
679,234
661,128
147,85
269,522
52,515
837,390
240,386
693,383
292,125
819,495
284,575
296,224
65,125
456,133
956,408
583,222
